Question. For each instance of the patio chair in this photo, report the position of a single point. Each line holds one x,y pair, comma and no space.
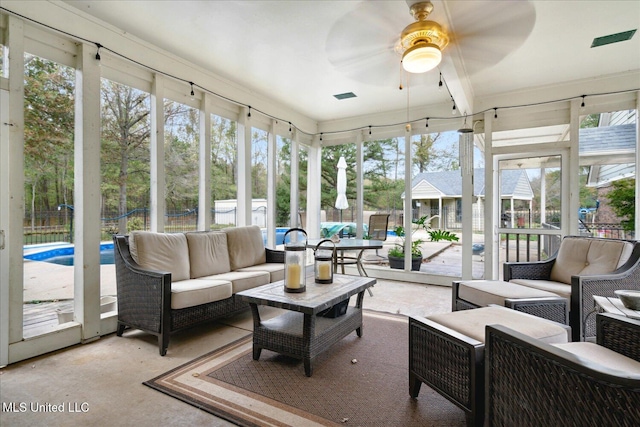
378,227
532,383
581,268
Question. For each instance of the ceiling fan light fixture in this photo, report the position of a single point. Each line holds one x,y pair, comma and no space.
422,41
421,58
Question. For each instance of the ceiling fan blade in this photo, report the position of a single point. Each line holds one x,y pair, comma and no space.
486,32
361,43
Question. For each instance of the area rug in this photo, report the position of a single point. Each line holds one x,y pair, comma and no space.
357,382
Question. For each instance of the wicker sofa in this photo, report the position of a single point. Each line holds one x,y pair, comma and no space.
581,268
169,282
532,383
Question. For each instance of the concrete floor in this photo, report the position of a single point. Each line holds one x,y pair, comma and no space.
100,383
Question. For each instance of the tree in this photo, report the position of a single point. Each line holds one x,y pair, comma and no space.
49,128
423,151
224,159
125,146
181,156
622,201
381,192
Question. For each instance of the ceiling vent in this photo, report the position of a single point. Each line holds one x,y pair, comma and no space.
613,38
345,95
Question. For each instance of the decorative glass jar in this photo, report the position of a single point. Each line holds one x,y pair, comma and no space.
323,261
294,260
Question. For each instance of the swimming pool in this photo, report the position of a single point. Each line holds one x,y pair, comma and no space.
63,254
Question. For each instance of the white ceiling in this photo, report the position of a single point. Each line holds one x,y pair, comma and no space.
301,53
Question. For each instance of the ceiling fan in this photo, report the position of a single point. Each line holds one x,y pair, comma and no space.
369,42
422,42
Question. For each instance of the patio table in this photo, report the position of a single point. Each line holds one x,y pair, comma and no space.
301,332
349,245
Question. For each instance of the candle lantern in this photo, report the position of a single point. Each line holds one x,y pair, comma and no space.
294,260
323,261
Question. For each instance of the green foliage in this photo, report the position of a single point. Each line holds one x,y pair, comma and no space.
398,249
438,235
283,181
622,201
135,223
49,129
590,121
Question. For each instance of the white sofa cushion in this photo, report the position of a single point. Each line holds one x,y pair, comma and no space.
485,292
472,323
208,253
594,353
243,280
560,289
161,252
246,247
579,256
276,270
192,292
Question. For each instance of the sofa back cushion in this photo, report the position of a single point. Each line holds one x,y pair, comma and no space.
580,256
208,253
246,247
161,252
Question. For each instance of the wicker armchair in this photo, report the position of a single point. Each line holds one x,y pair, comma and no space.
530,383
583,288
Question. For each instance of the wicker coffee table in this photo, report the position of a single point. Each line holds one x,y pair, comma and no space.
300,332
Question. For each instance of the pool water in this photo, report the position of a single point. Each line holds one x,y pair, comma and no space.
63,255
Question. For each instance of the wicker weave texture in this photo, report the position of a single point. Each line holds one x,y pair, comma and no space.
191,316
286,334
551,310
528,270
603,286
526,387
620,335
449,366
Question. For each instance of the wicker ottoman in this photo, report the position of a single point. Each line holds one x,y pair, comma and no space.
480,293
446,352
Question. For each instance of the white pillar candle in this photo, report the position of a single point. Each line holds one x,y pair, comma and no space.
293,276
324,271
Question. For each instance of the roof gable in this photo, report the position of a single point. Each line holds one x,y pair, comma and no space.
514,183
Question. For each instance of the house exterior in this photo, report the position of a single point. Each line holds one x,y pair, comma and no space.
610,150
439,195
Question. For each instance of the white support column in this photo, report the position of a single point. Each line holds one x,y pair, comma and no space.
543,203
543,195
492,204
87,193
272,149
359,185
294,190
156,151
6,234
314,171
243,213
12,190
573,174
204,171
637,169
466,170
407,198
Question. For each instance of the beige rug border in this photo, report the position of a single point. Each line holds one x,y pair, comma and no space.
190,383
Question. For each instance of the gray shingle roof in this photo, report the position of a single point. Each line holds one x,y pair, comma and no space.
608,138
450,182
